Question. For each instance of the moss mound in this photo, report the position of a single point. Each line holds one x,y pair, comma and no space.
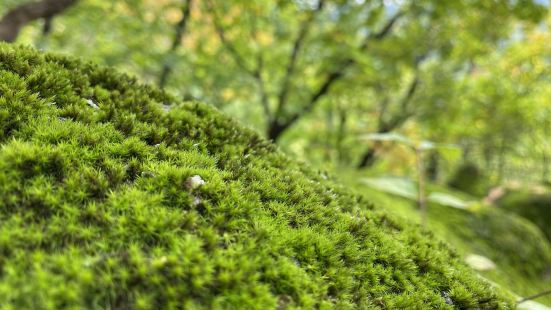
469,179
115,195
517,246
535,207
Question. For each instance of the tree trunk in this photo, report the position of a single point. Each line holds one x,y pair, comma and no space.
17,18
432,167
275,129
368,159
341,133
328,150
544,167
421,198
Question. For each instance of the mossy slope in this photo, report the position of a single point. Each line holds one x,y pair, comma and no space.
533,206
519,249
98,209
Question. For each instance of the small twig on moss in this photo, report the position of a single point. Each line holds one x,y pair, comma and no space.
541,294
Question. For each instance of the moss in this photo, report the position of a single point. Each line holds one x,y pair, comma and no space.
535,207
102,208
469,179
516,245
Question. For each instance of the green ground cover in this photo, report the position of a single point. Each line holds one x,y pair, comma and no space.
517,246
116,195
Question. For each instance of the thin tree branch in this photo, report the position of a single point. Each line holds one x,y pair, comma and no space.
404,104
178,36
336,75
385,31
256,72
17,18
369,156
278,125
239,60
262,87
541,294
387,28
47,27
291,65
326,85
406,113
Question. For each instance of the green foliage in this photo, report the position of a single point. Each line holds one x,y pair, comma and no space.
103,208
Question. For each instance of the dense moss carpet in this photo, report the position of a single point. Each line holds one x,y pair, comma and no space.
115,195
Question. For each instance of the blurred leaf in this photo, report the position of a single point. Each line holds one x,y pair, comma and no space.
448,200
402,187
391,136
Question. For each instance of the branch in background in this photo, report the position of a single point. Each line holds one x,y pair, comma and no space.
385,31
256,72
257,75
17,18
47,27
297,45
368,158
541,294
261,85
239,60
178,36
398,119
341,133
278,126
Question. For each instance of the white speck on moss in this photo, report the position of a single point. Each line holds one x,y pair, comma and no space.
197,200
92,104
163,259
167,107
195,182
148,174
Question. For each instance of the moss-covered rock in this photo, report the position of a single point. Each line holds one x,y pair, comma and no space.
535,207
518,248
469,179
116,195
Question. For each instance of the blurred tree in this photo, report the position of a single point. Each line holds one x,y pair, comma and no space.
344,42
14,20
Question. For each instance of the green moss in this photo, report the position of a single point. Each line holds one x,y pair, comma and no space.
518,247
100,210
469,179
535,207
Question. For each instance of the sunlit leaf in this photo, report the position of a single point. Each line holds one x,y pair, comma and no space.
402,187
448,200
